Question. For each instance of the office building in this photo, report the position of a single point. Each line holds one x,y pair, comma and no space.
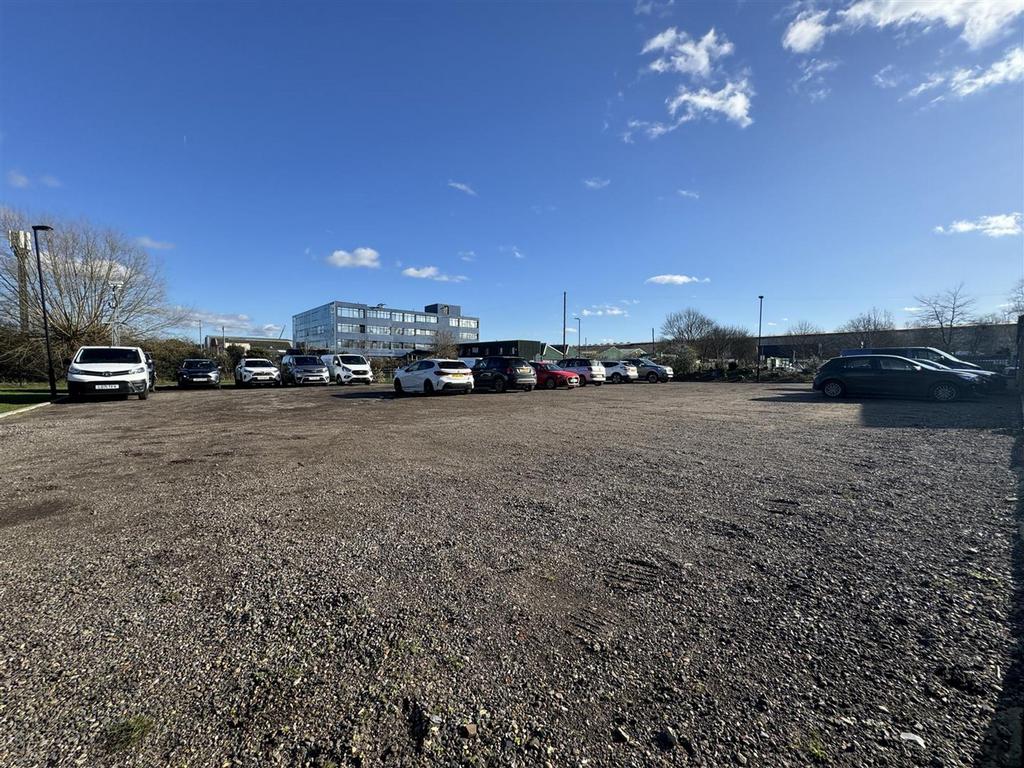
380,331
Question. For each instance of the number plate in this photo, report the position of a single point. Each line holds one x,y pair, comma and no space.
108,386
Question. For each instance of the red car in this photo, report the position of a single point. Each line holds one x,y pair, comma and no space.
550,376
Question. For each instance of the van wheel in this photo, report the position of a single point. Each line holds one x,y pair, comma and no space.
833,389
652,377
945,392
499,385
144,394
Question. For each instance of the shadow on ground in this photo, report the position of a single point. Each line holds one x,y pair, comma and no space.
1003,746
995,412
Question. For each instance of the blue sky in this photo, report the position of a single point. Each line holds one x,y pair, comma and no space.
831,156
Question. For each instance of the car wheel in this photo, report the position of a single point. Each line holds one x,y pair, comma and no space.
75,397
550,383
499,385
528,388
833,389
616,378
945,392
144,394
338,380
652,377
428,388
583,381
398,388
598,383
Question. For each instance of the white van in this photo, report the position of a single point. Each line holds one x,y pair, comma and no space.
108,371
348,369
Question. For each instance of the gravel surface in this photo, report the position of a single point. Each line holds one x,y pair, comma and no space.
698,574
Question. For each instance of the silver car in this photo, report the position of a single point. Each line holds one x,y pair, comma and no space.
651,371
304,369
589,371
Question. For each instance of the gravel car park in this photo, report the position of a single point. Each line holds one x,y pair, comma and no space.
766,578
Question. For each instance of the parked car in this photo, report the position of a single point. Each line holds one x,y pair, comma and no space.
891,375
589,371
987,380
108,371
348,369
914,353
251,371
618,371
304,369
434,375
650,370
550,376
502,373
199,373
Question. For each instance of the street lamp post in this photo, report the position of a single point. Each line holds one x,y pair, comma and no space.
36,229
579,338
760,314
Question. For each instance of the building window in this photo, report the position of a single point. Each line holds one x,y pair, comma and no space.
378,314
467,335
426,318
348,328
349,312
424,332
408,318
379,330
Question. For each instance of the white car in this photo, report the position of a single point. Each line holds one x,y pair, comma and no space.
108,370
348,369
589,371
256,370
434,375
618,371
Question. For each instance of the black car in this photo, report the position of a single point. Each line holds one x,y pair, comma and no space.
894,376
935,356
501,373
199,373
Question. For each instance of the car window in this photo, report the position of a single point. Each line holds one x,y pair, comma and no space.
857,363
425,365
894,364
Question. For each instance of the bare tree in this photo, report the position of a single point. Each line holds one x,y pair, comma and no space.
870,329
444,345
944,311
804,328
1015,302
82,265
687,327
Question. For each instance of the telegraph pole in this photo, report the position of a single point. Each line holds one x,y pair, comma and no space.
115,332
565,349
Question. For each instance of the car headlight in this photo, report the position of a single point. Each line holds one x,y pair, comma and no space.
345,369
140,369
73,369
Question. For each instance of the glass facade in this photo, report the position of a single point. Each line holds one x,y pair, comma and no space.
344,326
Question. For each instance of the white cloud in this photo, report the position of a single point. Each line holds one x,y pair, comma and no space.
653,7
596,183
604,310
155,245
961,83
812,78
432,273
979,22
681,53
1009,69
676,279
467,255
887,77
360,257
570,330
731,100
51,181
513,250
912,309
233,324
688,193
806,32
1000,225
462,187
17,179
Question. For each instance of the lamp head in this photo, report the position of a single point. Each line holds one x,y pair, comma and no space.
41,228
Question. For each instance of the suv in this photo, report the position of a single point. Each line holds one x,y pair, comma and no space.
256,370
501,373
589,371
199,373
108,370
304,369
348,369
650,370
618,371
